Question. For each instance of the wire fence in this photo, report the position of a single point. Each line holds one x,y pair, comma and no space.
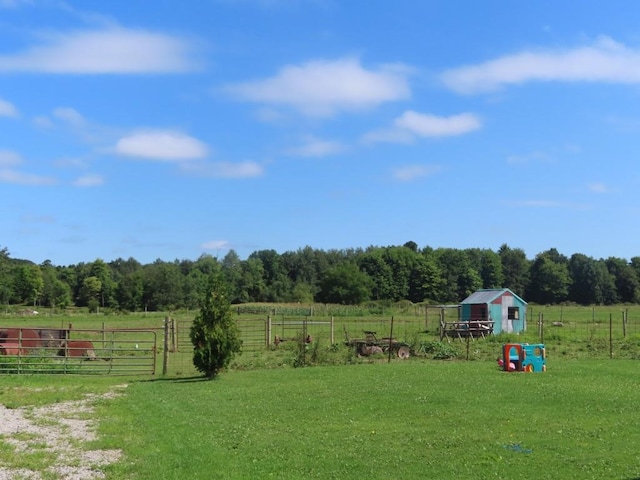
160,343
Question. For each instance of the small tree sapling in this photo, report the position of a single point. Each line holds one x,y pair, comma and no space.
214,333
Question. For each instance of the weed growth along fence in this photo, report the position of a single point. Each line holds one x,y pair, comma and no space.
157,343
566,330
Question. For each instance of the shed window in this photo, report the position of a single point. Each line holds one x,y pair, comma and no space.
513,313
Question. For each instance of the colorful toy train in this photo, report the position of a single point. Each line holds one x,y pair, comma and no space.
523,357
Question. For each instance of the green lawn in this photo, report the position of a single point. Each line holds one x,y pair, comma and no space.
416,419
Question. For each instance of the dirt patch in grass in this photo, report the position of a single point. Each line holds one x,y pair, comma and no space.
49,442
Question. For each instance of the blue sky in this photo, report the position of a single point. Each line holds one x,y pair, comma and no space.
171,129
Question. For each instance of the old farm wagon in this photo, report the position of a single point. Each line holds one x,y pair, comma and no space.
371,344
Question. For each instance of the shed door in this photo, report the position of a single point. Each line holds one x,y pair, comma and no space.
478,312
507,324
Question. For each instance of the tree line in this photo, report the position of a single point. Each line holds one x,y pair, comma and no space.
347,276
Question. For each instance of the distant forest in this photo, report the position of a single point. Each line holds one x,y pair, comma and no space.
352,276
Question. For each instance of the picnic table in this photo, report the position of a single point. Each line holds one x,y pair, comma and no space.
466,329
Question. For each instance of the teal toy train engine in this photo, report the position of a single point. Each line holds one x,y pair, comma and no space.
523,357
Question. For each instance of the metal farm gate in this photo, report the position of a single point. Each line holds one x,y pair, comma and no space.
253,333
258,333
301,329
181,329
78,351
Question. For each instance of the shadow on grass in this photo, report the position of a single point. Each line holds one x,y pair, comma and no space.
195,378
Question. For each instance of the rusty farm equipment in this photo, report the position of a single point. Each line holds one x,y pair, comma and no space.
370,345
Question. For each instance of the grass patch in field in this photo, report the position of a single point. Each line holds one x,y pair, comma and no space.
420,419
35,458
36,390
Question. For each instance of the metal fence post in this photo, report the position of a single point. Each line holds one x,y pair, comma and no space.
332,331
610,335
165,350
267,331
390,340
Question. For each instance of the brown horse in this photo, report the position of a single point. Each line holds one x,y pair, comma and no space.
53,338
78,348
26,338
11,349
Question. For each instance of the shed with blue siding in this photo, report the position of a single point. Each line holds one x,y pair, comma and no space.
506,310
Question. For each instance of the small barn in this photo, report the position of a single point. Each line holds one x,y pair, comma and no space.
497,309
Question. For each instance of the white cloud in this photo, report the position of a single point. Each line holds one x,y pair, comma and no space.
8,174
38,219
413,124
572,148
42,121
7,109
89,181
534,157
549,204
69,115
269,115
19,178
540,203
391,135
69,162
411,172
323,88
603,61
624,124
162,145
223,169
9,159
317,148
273,3
70,119
598,188
426,125
115,50
216,245
14,3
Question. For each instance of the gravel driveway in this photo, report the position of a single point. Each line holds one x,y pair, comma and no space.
59,430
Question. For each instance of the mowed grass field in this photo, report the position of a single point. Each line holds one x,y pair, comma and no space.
418,418
415,419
